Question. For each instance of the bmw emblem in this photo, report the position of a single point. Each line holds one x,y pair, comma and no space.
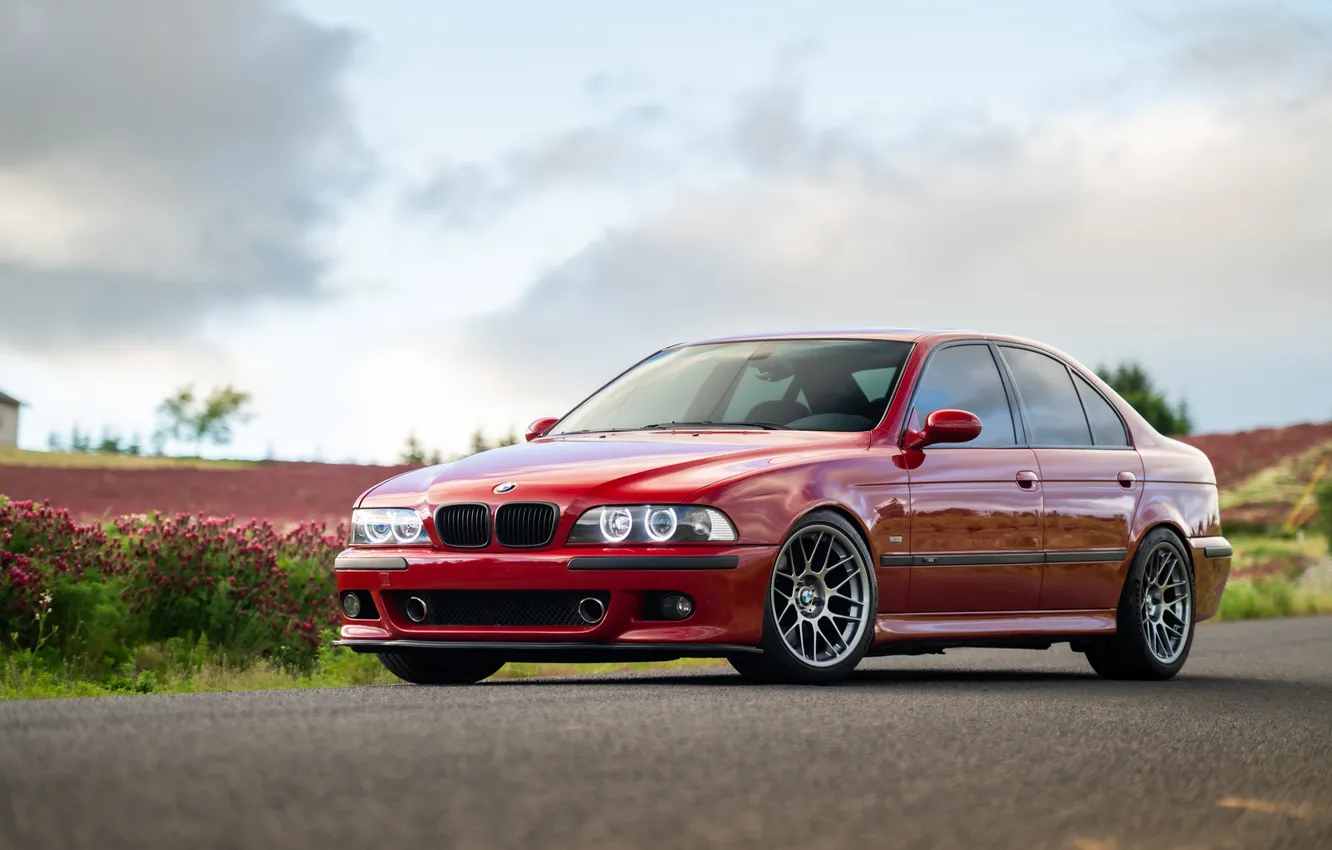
506,487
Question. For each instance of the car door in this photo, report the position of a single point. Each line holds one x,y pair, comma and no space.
1090,475
975,507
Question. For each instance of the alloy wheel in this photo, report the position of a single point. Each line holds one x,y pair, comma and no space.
1166,607
820,595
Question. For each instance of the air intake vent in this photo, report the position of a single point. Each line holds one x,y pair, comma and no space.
514,608
523,525
463,526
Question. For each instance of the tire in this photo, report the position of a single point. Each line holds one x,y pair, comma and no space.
440,666
1156,616
839,607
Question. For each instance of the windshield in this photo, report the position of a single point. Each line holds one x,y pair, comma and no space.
808,385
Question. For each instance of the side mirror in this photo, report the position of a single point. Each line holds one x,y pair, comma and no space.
540,427
945,426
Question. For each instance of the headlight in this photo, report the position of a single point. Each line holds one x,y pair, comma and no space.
388,526
652,524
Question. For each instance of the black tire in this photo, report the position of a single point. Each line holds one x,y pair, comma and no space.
440,666
1129,653
778,663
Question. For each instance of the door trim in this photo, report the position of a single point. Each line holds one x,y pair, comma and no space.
1094,556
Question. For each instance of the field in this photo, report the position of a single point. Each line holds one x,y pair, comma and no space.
90,486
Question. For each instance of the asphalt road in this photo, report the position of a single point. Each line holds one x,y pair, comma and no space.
976,749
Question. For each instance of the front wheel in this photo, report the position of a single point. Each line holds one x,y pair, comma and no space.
818,617
440,666
1155,618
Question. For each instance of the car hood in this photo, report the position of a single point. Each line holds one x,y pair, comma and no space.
594,468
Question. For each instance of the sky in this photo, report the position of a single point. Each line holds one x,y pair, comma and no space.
402,218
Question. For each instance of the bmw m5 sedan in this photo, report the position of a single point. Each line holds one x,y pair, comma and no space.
793,503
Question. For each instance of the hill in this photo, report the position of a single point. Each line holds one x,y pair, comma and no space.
274,490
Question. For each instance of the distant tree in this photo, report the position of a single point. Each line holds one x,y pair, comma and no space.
190,418
479,443
53,443
109,444
509,439
78,441
413,454
1132,382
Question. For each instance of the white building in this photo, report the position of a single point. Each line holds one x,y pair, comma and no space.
9,419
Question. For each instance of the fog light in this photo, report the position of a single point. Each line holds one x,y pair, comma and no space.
351,605
676,606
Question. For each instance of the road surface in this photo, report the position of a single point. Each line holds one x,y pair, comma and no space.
976,749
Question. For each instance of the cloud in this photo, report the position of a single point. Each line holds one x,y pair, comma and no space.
465,195
1194,234
162,159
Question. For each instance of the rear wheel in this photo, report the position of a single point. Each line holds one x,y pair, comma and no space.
440,666
1156,616
818,616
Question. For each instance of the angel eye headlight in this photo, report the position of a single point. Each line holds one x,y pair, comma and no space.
661,524
614,524
388,526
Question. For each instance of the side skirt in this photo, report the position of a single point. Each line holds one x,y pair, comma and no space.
1021,629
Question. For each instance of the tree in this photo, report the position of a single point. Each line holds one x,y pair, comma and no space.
189,418
479,443
1132,382
413,454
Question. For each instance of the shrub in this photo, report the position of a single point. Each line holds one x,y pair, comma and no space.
1324,496
249,590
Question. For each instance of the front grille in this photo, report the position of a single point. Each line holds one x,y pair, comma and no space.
496,607
463,526
525,524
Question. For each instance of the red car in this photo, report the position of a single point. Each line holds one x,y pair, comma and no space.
793,503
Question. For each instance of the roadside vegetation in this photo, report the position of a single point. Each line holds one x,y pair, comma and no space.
173,604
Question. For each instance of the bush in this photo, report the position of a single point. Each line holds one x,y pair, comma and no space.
1324,496
94,594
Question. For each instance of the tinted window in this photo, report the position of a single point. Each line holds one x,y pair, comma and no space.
965,377
808,385
1049,399
1107,428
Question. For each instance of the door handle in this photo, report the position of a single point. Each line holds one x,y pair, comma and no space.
1026,479
1126,480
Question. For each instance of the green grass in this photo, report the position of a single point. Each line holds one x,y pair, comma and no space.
10,456
1281,484
174,668
1246,599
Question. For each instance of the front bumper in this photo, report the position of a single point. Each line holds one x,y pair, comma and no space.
728,586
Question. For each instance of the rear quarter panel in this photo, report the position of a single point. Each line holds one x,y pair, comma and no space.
1180,492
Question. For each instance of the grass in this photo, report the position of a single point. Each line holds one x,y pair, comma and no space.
1257,599
1281,484
10,456
172,669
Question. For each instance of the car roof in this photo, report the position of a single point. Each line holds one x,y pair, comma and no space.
897,334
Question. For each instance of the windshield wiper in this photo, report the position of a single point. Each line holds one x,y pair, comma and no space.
766,426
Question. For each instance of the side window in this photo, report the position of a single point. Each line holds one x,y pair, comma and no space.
965,377
1049,399
1107,428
